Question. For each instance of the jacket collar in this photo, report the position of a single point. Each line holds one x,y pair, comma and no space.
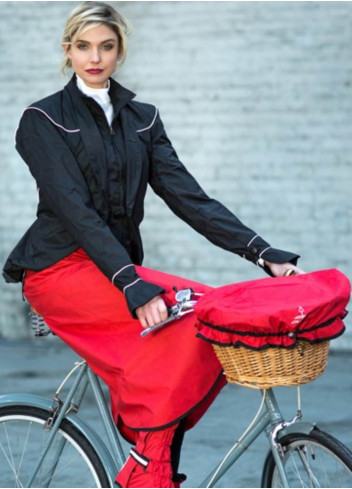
119,95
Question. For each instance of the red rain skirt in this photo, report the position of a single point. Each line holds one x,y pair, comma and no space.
154,381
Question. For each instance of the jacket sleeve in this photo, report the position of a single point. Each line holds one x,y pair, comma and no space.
61,182
177,187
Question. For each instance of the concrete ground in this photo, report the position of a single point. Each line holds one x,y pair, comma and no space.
37,367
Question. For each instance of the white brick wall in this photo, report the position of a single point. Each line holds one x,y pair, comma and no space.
256,97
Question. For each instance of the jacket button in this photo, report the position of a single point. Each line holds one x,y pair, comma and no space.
253,250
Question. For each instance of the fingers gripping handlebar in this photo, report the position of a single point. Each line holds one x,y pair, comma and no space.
185,300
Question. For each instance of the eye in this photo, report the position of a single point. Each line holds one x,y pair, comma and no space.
108,47
82,46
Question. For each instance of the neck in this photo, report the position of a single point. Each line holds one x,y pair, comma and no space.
86,88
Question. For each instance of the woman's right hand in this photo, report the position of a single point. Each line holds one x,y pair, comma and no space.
152,313
279,269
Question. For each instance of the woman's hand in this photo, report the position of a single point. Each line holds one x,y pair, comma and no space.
153,312
279,269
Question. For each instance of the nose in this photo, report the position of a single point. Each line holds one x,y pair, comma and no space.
95,55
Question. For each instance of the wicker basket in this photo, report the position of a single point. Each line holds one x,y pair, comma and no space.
273,367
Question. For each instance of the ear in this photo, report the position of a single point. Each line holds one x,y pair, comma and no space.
67,50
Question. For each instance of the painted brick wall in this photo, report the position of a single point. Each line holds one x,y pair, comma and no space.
256,97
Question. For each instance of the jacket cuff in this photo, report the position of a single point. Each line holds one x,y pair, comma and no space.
255,249
139,293
279,256
258,251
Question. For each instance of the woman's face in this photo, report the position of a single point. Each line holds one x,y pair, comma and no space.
94,55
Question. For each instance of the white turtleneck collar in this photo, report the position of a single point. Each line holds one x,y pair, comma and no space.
100,95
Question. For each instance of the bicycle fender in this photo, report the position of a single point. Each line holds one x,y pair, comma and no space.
94,439
25,400
304,427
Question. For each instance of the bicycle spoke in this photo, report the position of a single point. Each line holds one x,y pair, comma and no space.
302,453
24,448
297,472
11,462
70,462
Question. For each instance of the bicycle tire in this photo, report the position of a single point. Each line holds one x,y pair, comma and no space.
328,462
70,462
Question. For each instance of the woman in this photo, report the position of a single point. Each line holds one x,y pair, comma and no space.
92,150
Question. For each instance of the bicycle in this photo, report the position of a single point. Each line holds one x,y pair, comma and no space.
40,440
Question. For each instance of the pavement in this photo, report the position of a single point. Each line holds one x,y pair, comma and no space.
38,367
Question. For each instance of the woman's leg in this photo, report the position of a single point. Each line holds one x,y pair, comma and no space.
176,453
147,377
154,460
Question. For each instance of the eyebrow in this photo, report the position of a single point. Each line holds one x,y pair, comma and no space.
102,42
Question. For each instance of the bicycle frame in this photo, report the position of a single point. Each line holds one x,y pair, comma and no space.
271,422
272,416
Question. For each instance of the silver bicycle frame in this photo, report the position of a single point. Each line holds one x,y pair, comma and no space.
113,457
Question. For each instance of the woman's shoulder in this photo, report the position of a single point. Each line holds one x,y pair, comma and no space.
50,109
49,106
50,102
144,113
143,109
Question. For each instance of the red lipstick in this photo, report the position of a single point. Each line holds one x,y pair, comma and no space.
94,71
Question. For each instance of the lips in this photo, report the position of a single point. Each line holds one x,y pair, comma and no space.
94,71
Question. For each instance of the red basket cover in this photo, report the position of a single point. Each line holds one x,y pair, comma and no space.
275,311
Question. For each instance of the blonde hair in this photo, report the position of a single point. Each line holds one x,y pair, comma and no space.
92,14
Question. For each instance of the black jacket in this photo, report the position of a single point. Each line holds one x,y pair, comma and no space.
62,144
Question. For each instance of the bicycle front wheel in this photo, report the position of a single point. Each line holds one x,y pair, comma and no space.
71,460
314,460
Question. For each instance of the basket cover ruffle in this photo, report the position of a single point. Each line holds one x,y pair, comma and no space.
275,311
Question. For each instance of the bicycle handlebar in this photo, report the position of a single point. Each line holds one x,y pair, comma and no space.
184,305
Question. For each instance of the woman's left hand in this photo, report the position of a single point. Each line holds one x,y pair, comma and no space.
280,269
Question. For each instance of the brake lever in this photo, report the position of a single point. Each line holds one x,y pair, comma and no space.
176,311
